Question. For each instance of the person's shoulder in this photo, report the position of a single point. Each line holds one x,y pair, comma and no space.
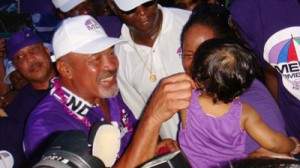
247,107
177,12
174,18
248,111
26,99
28,91
27,88
257,92
47,103
257,86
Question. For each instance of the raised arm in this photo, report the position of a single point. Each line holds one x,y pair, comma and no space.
172,94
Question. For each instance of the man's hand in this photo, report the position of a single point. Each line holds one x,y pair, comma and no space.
171,95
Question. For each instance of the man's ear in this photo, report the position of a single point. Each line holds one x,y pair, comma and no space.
112,6
47,51
64,69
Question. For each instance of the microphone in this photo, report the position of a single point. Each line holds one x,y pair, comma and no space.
106,140
6,159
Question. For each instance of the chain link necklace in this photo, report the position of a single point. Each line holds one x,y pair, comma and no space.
152,75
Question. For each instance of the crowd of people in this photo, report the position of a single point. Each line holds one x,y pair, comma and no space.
218,82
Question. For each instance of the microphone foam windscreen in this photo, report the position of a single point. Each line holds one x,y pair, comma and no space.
106,144
6,159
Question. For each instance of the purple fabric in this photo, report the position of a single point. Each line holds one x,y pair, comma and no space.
12,127
258,20
111,24
5,2
208,141
20,40
49,117
11,134
37,6
262,101
290,106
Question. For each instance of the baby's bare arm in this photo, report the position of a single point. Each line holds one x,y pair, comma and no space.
264,135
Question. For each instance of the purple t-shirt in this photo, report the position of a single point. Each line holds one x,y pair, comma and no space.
209,141
50,117
272,29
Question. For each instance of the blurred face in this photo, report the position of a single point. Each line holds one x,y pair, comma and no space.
144,18
33,62
94,75
18,80
84,8
193,38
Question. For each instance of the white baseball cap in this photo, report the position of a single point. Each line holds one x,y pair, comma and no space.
127,5
66,5
9,69
81,34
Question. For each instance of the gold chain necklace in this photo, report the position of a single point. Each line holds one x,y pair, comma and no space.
152,75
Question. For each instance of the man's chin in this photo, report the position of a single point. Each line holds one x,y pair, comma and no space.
108,93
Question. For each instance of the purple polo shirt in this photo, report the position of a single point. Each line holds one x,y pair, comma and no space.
50,117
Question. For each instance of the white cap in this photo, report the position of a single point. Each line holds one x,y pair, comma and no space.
66,5
127,5
8,69
81,34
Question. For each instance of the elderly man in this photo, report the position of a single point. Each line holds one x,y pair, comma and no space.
32,59
87,66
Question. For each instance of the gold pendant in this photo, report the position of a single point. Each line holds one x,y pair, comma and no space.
152,78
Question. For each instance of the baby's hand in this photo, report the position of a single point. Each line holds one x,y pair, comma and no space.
297,148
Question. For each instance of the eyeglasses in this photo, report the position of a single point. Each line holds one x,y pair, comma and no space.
145,5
